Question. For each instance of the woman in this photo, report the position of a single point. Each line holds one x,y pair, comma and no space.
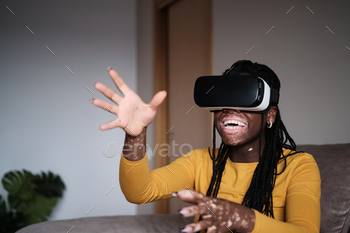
255,181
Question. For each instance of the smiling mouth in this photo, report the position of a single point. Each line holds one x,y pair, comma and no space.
233,124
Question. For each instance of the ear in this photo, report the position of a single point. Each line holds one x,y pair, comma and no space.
271,114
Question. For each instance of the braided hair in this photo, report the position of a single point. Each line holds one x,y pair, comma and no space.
259,193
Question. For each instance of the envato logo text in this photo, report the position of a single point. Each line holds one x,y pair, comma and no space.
165,149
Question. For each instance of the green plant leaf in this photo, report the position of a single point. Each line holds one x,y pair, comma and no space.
11,222
13,201
38,209
49,185
3,208
18,183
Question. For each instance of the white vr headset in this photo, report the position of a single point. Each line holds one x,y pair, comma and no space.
241,92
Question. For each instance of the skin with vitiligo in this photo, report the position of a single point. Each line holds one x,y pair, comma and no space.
244,144
218,215
135,146
134,116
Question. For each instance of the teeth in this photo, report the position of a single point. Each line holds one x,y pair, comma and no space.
226,123
232,127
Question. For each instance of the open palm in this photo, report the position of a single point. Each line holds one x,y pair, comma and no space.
133,114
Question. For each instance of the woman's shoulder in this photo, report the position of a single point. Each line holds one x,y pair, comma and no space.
296,155
296,159
300,169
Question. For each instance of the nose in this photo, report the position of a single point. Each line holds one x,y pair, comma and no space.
229,110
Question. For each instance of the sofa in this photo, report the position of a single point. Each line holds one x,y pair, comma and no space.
334,164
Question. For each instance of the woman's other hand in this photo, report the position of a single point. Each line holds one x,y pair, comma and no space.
218,215
133,114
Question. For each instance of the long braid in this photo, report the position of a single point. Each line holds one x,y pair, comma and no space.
213,179
220,168
218,165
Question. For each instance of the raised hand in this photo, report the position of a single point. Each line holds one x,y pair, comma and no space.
133,114
218,215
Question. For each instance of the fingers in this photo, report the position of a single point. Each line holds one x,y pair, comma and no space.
110,125
106,106
190,196
194,227
199,209
109,93
157,100
119,82
110,108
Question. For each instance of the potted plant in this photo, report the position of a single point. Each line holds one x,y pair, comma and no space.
31,198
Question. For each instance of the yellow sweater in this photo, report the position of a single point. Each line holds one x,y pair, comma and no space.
296,196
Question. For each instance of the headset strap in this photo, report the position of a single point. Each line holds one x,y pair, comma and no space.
274,96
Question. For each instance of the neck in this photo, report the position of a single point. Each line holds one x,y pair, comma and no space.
248,153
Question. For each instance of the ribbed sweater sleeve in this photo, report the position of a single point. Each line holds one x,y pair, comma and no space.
141,185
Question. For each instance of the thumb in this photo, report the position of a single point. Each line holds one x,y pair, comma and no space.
190,196
157,100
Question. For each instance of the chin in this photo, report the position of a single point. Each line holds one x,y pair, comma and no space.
230,142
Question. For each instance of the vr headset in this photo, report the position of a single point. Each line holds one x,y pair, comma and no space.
230,90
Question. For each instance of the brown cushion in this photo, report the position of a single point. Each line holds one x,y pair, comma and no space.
136,224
